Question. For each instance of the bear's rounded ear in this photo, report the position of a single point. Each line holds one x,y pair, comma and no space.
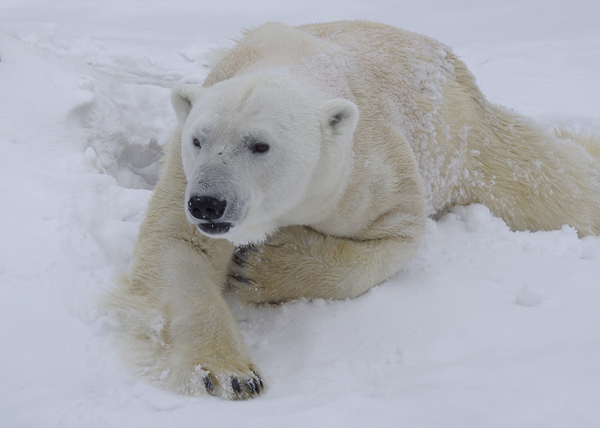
340,117
182,97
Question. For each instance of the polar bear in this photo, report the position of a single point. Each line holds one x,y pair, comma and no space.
305,167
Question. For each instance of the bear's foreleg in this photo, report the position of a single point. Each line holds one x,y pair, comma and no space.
178,330
299,262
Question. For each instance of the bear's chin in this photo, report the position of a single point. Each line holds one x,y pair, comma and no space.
236,233
214,228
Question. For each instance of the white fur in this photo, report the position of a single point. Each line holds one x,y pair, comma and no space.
370,129
291,183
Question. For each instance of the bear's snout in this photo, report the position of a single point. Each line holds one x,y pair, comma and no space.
206,207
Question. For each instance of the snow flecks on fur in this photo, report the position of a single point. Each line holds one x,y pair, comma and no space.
328,72
423,124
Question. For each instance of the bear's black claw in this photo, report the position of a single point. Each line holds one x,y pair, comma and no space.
208,384
240,278
235,384
251,385
259,380
246,250
238,261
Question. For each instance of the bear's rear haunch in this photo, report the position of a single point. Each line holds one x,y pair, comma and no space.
305,167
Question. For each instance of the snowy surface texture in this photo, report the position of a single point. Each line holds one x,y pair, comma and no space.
484,328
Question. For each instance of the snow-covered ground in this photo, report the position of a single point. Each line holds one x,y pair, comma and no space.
484,328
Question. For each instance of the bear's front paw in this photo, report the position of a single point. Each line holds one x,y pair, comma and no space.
226,383
247,274
278,270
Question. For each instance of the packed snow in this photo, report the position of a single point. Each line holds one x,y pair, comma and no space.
484,328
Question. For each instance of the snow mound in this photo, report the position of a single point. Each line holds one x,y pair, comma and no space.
64,106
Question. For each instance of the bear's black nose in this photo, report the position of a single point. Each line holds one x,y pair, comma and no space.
206,207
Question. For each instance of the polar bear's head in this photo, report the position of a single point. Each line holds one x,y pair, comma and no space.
262,152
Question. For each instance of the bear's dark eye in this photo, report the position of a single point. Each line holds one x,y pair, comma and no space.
260,148
196,142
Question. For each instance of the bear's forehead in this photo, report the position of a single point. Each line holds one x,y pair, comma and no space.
270,87
245,111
